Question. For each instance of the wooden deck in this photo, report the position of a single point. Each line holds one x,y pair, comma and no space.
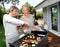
55,41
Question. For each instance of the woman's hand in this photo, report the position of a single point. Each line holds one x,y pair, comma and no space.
27,24
25,30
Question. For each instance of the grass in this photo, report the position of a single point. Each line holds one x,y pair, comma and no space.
2,37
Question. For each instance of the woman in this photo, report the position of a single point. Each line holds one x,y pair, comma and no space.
27,17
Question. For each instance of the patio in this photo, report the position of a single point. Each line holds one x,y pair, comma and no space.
55,41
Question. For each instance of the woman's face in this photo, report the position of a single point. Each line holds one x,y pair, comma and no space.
25,10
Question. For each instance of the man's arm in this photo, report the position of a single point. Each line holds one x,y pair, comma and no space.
15,21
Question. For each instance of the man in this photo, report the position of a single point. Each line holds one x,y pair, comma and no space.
10,25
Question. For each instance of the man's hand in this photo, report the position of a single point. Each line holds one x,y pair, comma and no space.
27,24
19,27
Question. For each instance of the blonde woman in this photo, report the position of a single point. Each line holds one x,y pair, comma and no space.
27,17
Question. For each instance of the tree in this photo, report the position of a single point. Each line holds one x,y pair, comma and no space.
31,8
14,2
39,14
1,14
2,2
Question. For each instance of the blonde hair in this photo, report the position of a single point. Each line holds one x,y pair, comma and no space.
27,8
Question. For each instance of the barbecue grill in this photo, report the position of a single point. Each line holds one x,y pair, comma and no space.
42,43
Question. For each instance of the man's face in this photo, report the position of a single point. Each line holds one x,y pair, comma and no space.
15,12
